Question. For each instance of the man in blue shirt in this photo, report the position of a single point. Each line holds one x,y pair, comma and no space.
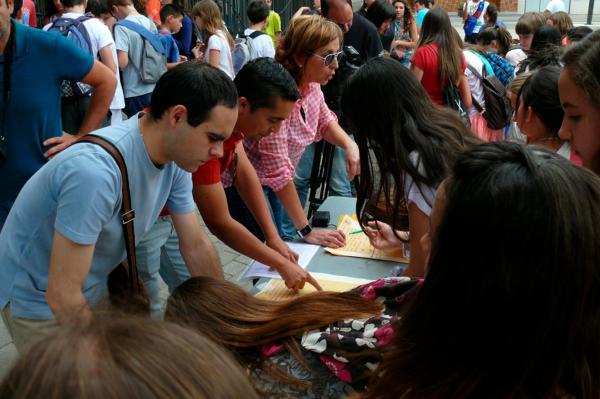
64,235
39,62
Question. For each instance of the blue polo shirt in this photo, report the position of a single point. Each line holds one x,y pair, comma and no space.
41,61
78,194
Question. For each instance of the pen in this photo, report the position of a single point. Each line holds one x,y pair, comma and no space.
357,231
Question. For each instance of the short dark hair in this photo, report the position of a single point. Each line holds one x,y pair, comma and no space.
424,3
196,85
257,11
169,10
71,3
97,7
579,32
263,80
17,5
379,12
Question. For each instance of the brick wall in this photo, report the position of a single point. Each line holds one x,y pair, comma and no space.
503,5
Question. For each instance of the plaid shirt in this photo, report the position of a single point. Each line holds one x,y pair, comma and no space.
275,157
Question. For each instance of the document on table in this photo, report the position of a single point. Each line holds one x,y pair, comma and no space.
359,246
305,251
275,290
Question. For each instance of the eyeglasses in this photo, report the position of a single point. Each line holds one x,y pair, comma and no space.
329,58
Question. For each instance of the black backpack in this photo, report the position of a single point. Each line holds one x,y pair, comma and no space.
498,109
453,100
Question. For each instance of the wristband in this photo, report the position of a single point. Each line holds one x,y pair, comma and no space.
303,232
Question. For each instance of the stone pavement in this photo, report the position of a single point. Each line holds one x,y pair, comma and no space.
233,265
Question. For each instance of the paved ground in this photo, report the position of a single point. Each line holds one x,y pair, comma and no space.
233,265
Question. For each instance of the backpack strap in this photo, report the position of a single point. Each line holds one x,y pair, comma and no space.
477,13
256,34
145,33
127,214
476,73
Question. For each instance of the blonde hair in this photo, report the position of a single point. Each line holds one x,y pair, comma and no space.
304,35
126,358
209,11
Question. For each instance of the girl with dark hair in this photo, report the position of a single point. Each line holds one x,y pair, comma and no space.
498,317
545,49
413,144
381,13
438,60
403,33
539,114
311,346
496,42
491,17
579,88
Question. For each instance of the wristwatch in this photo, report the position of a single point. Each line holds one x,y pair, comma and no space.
303,232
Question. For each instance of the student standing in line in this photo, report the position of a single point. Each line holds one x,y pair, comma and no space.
439,60
207,18
579,88
130,52
273,28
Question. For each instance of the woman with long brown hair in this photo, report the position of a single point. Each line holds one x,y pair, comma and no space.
438,60
207,16
115,357
404,33
298,347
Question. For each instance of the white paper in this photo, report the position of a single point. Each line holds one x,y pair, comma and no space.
306,252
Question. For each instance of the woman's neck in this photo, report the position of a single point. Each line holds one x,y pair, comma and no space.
552,143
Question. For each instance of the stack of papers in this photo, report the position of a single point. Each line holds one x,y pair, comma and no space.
306,252
359,246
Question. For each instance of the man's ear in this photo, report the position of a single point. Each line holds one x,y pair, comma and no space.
169,20
176,114
11,6
244,105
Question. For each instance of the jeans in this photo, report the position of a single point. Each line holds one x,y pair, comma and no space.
339,184
240,212
277,213
158,256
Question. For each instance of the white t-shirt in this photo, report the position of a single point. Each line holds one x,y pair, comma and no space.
556,6
219,42
516,56
475,83
472,7
101,37
418,194
263,44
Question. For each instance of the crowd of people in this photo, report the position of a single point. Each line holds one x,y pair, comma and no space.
479,153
